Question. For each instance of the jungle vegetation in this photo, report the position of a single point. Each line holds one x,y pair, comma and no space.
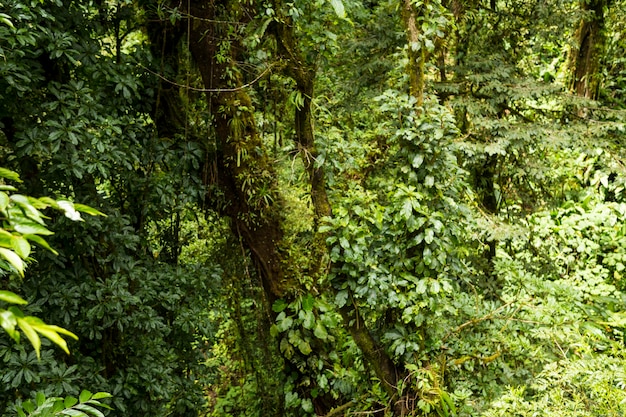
313,208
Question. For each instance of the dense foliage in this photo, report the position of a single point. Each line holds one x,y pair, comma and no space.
327,207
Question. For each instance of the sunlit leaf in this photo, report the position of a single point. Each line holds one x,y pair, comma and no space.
339,9
13,259
88,210
21,246
31,334
40,241
10,297
32,228
7,173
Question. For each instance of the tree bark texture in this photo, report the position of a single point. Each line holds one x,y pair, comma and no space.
245,175
586,56
416,52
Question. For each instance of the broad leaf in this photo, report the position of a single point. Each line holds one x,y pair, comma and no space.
10,297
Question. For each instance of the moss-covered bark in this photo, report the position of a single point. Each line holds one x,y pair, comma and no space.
586,56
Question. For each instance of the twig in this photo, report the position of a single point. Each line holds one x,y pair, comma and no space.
478,320
211,90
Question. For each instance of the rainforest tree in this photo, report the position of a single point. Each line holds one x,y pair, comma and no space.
323,207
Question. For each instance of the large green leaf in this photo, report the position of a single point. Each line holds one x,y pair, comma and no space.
10,297
7,173
339,9
13,259
31,228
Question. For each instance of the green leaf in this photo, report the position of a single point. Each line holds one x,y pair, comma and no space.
4,201
70,402
41,242
307,302
28,406
417,161
26,204
20,246
31,228
85,396
407,208
6,239
4,18
7,173
10,297
13,259
73,413
320,331
341,298
31,334
339,9
279,305
88,210
89,409
52,332
308,319
101,395
8,321
304,347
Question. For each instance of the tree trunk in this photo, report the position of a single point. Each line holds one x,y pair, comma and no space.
416,52
585,57
245,176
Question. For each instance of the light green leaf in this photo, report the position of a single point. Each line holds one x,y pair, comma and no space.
339,9
13,259
31,228
417,161
279,305
70,402
31,334
40,398
7,21
89,409
20,246
4,201
6,239
308,319
304,347
307,302
88,210
51,332
320,331
341,298
101,395
41,242
85,395
8,321
10,297
26,204
7,173
73,413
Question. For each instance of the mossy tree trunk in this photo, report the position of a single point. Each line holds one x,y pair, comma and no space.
586,55
246,177
416,52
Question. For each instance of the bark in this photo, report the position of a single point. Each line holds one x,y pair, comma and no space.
416,52
585,57
245,176
304,76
